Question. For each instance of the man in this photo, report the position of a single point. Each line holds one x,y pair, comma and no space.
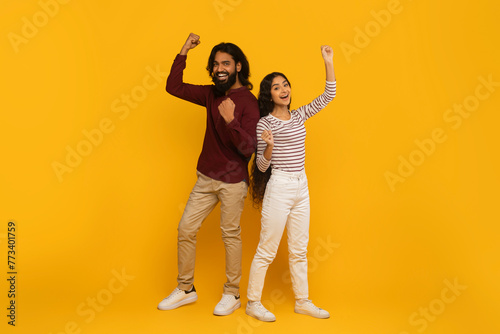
232,116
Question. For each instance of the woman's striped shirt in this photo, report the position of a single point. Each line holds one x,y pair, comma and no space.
289,136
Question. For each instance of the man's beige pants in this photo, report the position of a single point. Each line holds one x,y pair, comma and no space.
206,193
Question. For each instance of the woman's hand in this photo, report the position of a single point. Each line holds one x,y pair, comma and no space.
267,136
327,53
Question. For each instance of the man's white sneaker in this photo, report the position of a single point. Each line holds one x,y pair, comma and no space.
258,311
178,298
227,305
309,308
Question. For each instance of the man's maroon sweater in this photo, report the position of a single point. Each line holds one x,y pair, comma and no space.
227,148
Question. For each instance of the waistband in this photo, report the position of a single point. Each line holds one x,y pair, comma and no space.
292,175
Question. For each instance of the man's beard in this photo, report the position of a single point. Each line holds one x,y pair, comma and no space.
222,88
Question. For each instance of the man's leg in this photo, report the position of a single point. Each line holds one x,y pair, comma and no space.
232,197
201,202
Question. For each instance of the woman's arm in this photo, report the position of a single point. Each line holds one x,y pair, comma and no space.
327,53
265,144
267,136
321,101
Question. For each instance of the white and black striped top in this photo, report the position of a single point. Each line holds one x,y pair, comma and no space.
289,136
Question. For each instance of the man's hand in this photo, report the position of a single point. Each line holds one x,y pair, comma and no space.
226,110
327,53
192,41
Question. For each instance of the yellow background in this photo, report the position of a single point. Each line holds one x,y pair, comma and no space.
377,256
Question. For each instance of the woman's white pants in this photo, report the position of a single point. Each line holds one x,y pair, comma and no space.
286,203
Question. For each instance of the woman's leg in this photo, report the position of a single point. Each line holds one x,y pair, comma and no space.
298,238
275,210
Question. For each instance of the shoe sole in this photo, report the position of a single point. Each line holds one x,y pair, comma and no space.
259,318
188,300
299,311
231,310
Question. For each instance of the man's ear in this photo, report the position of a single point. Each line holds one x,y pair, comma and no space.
238,67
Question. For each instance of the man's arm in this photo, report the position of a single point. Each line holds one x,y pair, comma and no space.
192,41
175,83
242,134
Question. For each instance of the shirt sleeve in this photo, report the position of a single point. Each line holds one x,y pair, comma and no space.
320,102
262,163
242,133
177,87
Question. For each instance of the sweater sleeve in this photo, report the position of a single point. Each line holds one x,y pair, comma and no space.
320,102
242,133
262,163
177,87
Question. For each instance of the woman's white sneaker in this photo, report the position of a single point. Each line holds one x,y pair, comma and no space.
258,311
227,305
308,308
178,298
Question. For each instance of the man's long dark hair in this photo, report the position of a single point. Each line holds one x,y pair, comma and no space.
258,179
238,57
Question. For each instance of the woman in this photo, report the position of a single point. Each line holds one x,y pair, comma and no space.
279,183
